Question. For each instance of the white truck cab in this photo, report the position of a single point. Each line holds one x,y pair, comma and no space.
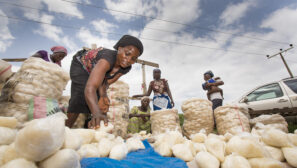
276,97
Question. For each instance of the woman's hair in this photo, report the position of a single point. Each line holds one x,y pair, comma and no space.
127,40
145,97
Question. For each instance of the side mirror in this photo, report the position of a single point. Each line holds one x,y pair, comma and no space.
245,100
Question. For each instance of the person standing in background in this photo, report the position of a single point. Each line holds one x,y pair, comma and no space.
213,92
161,91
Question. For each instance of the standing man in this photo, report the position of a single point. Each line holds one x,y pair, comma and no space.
214,93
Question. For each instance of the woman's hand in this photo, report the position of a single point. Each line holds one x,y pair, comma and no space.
96,118
104,104
172,104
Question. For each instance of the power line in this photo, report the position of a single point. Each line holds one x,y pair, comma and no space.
174,22
155,29
144,38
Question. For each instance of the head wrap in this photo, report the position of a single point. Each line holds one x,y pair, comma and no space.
5,70
129,40
56,49
43,55
210,73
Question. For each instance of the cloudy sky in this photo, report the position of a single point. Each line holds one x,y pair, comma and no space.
185,37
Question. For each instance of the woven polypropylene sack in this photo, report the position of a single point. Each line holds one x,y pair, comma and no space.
231,119
118,113
165,120
198,115
275,120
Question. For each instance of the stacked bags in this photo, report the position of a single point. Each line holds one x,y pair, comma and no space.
118,113
36,77
198,115
232,119
164,120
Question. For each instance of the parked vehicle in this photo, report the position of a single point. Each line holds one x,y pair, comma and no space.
276,97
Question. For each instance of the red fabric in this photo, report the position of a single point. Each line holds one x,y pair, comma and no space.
59,49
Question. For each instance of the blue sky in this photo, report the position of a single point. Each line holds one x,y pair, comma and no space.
235,26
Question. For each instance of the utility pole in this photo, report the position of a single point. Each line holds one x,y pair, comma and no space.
283,59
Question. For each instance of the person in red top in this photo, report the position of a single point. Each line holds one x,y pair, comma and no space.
59,53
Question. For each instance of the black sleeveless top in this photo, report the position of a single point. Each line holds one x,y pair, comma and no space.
90,58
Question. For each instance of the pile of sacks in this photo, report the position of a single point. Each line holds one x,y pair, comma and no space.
273,121
232,119
36,77
273,149
164,120
47,143
118,113
198,115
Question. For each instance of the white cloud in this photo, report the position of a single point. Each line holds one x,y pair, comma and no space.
130,6
5,35
89,38
65,8
103,26
235,12
54,33
70,9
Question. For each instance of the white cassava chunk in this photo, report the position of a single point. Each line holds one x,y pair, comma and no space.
198,137
236,161
165,141
275,153
72,140
7,135
65,158
216,147
293,139
264,163
87,135
10,154
206,160
295,132
41,138
192,164
164,149
183,152
3,148
291,155
228,136
246,147
276,138
286,165
199,147
103,128
105,146
88,150
99,135
10,122
134,144
19,163
119,151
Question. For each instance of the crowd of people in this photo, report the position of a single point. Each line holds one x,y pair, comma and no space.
92,71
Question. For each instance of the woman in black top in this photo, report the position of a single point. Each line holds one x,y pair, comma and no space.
94,70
